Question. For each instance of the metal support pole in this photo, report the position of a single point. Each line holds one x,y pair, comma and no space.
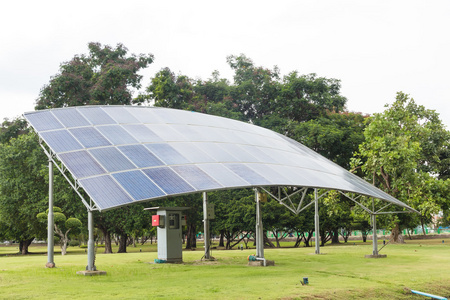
50,219
91,254
206,226
259,234
316,222
375,238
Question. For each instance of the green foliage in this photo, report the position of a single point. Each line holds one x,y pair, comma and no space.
23,192
105,76
399,156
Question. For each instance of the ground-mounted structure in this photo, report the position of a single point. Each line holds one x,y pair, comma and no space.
121,155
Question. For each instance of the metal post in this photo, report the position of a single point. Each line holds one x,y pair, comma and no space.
206,226
316,222
50,219
375,238
259,228
91,254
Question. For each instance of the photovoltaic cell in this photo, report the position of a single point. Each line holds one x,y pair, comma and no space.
96,116
167,133
120,114
43,121
217,152
70,117
239,152
140,156
105,192
223,175
167,154
192,152
142,133
61,141
89,137
116,135
111,159
248,174
81,164
146,115
138,185
196,177
168,180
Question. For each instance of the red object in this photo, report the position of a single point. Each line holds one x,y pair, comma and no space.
155,220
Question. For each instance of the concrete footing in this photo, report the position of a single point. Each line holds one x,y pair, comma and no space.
260,263
375,256
50,265
91,273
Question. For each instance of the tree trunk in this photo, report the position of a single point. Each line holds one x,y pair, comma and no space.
23,246
221,244
423,227
267,241
191,241
108,246
335,236
396,235
123,243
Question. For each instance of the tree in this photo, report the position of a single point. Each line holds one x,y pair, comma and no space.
23,189
401,156
105,76
63,226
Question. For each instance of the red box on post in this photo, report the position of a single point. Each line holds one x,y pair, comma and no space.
155,220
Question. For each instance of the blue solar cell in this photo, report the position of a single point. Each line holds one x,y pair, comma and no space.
142,133
223,175
96,115
273,176
138,185
116,135
111,159
167,154
196,177
168,180
89,137
248,174
81,164
192,152
140,156
61,141
120,114
70,117
43,121
105,192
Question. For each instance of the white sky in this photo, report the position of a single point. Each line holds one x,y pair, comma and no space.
374,47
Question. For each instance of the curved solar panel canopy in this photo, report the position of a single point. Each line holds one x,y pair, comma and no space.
125,154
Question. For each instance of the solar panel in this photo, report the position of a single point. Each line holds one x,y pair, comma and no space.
167,154
61,141
96,116
197,178
138,185
140,156
43,121
123,154
116,135
105,192
168,180
112,159
81,164
70,118
89,137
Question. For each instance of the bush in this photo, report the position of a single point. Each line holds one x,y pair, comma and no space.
74,243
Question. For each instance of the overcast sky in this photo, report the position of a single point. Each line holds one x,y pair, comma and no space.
374,47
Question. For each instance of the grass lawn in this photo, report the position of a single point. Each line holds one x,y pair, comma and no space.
341,272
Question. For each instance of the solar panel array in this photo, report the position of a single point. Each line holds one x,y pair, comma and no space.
124,154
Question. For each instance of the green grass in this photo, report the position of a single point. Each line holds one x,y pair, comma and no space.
341,272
